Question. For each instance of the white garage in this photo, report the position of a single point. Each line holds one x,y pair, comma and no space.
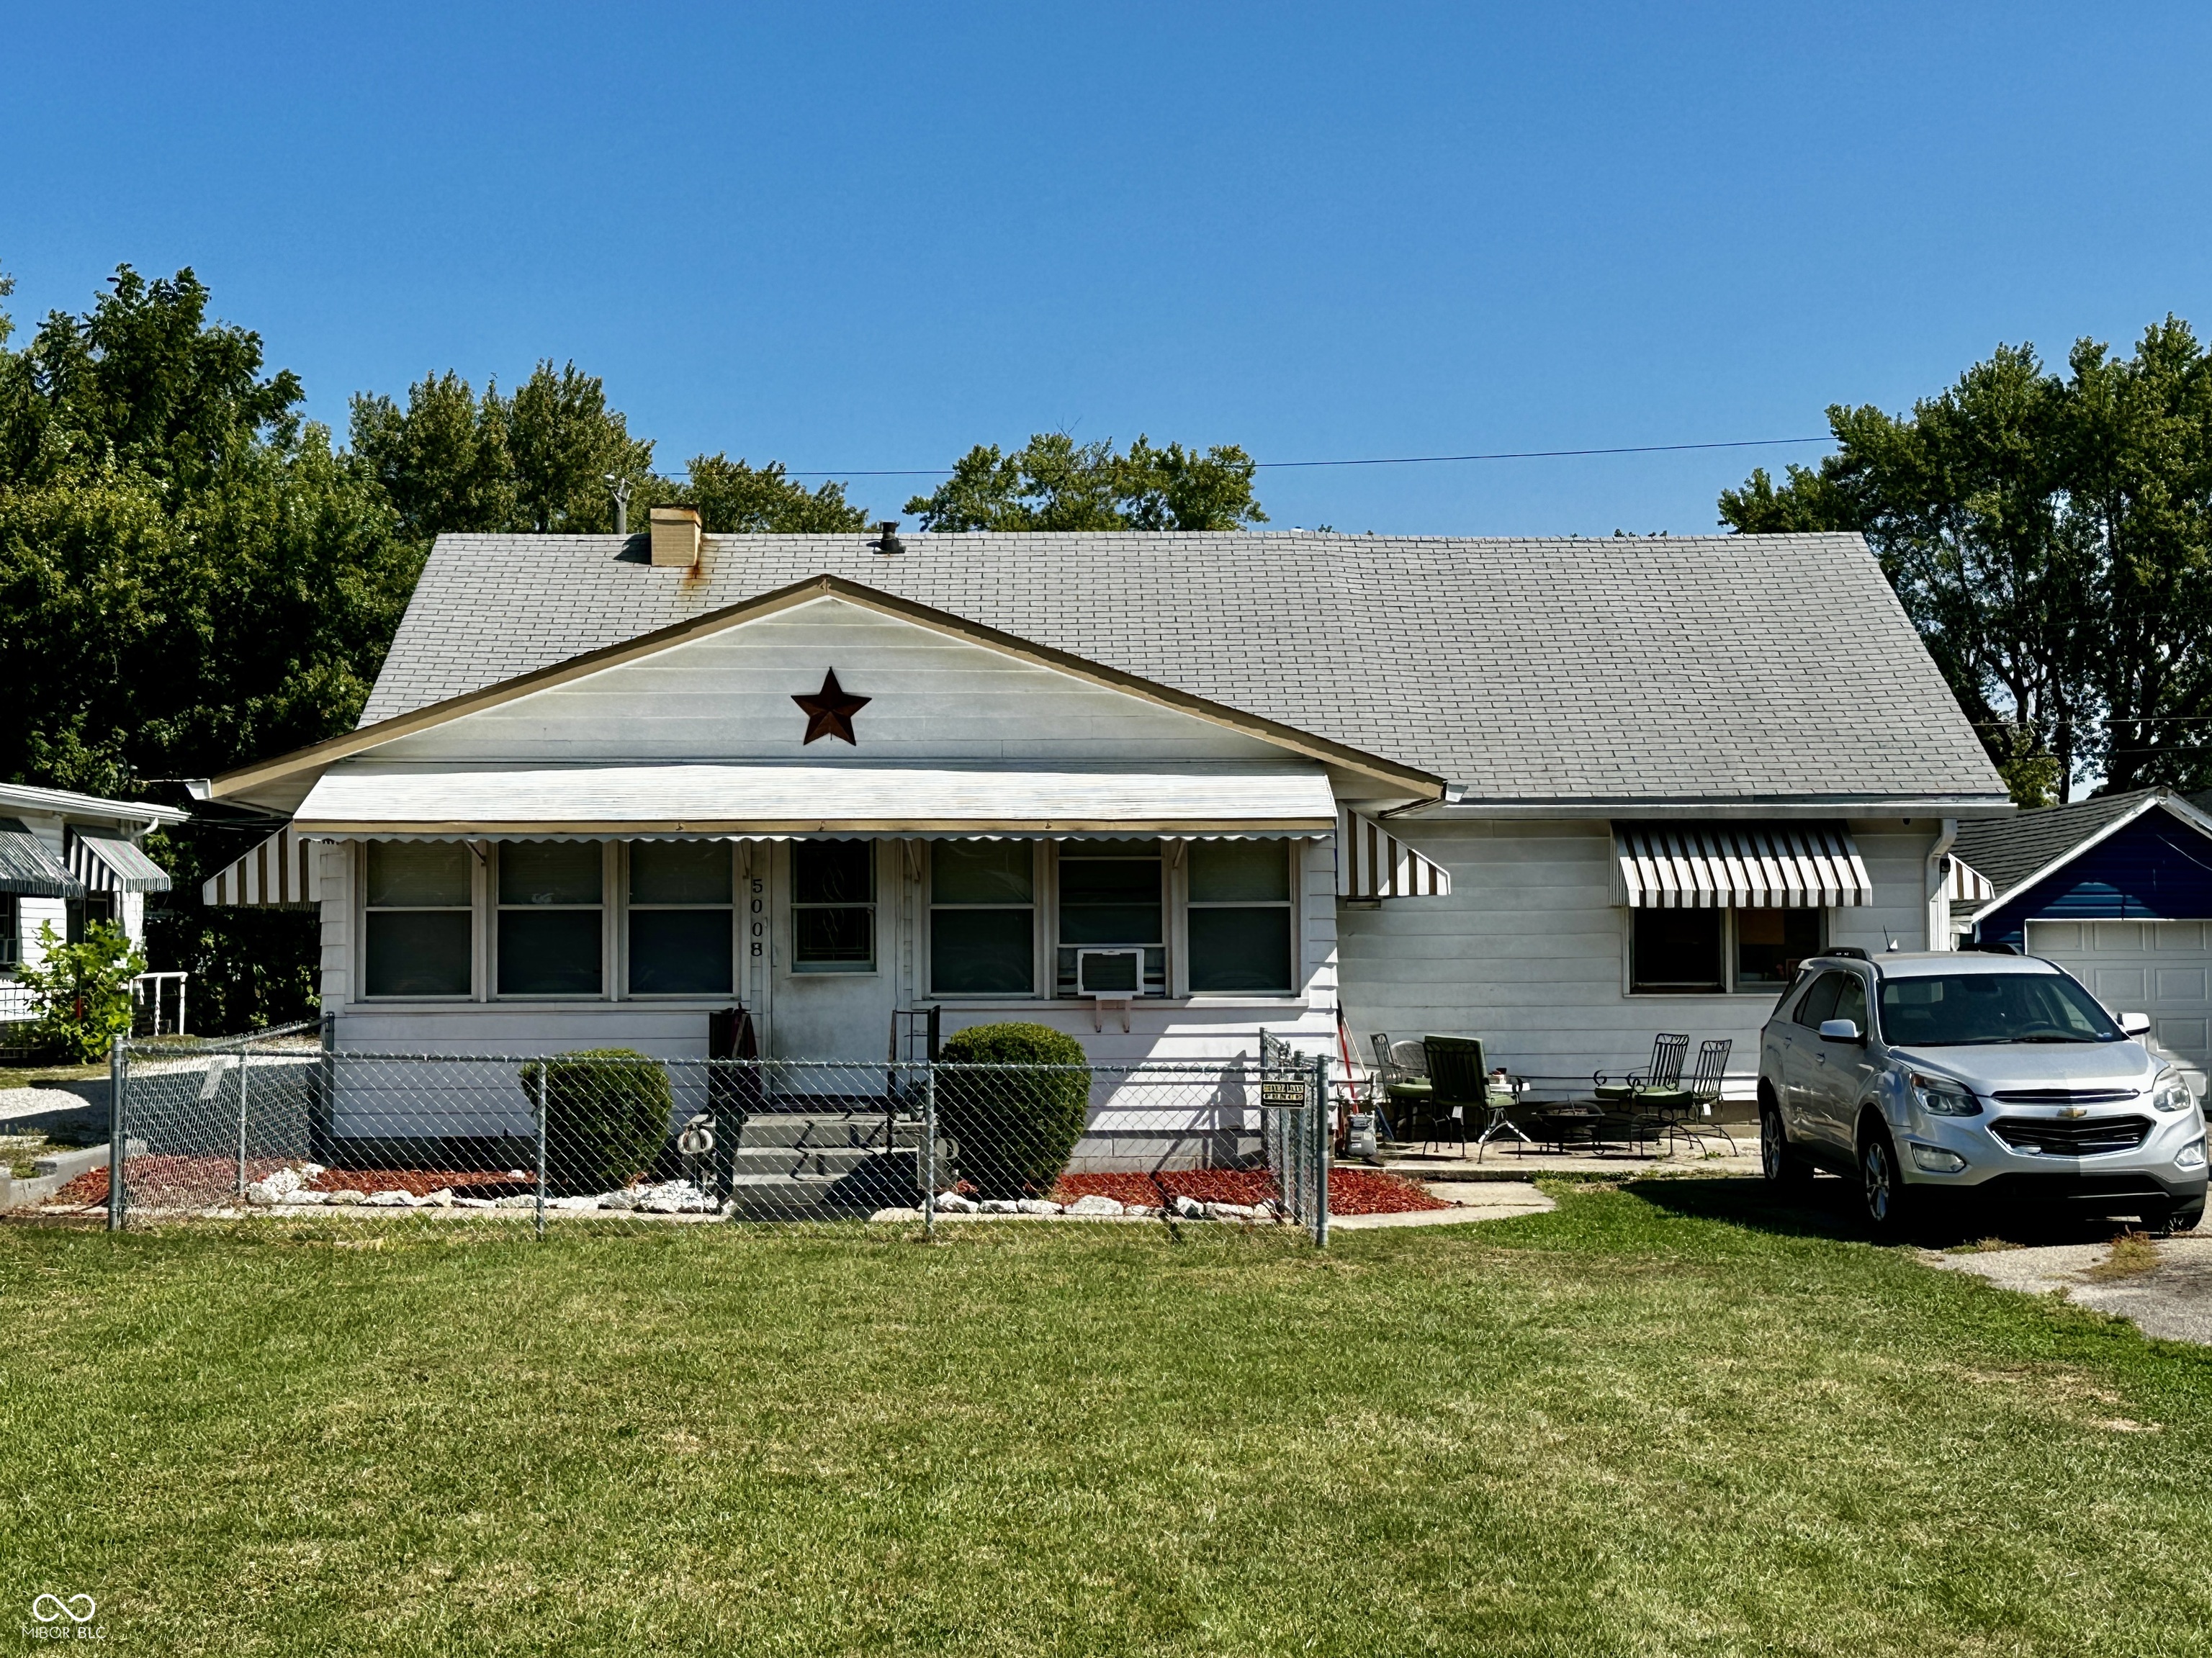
2163,969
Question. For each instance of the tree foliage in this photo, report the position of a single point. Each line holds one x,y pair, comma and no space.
1052,483
2050,537
81,990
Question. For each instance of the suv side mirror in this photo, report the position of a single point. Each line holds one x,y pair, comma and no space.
2135,1024
1839,1030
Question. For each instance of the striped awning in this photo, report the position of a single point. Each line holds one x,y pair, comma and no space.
1811,865
1964,884
1373,863
284,871
107,862
28,870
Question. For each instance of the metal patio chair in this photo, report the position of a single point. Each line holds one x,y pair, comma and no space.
1459,1080
1681,1113
1668,1049
1402,1076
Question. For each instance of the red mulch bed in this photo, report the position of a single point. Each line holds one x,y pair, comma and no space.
1351,1191
167,1181
421,1182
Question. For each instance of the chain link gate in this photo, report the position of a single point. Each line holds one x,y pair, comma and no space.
282,1124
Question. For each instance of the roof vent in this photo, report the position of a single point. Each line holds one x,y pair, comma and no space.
887,539
676,536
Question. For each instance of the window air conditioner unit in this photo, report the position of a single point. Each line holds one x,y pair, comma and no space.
1109,978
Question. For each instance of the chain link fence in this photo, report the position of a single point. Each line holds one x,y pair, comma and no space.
281,1125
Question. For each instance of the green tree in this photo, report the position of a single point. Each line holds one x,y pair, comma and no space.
566,445
2047,534
442,461
735,498
81,990
1052,483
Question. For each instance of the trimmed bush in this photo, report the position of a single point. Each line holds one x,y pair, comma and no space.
1016,1128
607,1115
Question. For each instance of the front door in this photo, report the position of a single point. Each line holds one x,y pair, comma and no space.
1803,1061
838,937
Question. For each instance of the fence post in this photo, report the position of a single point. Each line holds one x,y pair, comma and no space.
1321,1141
542,1069
929,1150
244,1060
118,1071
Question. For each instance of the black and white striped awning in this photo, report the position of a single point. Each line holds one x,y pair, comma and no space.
1373,863
107,862
28,870
1813,865
282,872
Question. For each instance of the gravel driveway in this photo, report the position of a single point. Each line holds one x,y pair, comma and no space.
2172,1300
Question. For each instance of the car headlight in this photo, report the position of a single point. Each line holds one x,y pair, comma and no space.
2191,1156
2170,1093
1943,1097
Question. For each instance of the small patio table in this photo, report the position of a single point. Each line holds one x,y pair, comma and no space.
1572,1122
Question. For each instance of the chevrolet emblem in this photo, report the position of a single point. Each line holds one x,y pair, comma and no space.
2073,1110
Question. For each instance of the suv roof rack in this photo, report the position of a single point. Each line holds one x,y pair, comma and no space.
1849,952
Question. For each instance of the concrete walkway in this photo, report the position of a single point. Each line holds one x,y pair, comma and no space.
1471,1201
66,1113
2172,1301
1509,1163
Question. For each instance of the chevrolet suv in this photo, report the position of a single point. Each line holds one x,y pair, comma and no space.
1929,1079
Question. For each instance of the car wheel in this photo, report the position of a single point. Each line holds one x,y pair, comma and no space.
1778,1161
1885,1194
2184,1220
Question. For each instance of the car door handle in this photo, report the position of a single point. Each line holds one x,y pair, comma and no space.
1820,1058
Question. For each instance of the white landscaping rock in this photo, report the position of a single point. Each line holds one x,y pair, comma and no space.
310,1170
393,1198
309,1196
1232,1212
625,1198
1097,1204
1188,1208
442,1199
1141,1210
520,1201
1036,1207
475,1203
676,1197
262,1194
347,1195
1001,1206
951,1203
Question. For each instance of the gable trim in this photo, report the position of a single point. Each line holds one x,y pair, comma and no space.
236,784
2178,807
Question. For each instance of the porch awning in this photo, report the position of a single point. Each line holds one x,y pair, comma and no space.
28,870
282,871
1373,863
1810,866
107,862
1964,884
783,802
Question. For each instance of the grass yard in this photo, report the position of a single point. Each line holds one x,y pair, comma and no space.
1663,1419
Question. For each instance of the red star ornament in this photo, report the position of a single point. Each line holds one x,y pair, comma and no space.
829,711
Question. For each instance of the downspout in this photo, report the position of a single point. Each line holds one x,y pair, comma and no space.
1939,887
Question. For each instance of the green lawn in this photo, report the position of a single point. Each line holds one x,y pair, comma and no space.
1665,1419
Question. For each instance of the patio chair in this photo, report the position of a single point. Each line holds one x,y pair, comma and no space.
1459,1082
1401,1075
1680,1111
1668,1049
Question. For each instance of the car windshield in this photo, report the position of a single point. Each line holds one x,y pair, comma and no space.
1952,1010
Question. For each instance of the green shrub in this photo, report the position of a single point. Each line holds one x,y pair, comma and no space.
1016,1127
82,991
607,1114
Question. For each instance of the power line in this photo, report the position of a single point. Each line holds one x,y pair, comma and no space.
1372,460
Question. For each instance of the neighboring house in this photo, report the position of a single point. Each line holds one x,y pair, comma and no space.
2117,890
66,859
1559,794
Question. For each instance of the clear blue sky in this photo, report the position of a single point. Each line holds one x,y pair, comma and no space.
857,236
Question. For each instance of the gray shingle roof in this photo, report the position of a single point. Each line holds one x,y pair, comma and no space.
2007,850
1738,667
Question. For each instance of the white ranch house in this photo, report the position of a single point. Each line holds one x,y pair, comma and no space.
1558,794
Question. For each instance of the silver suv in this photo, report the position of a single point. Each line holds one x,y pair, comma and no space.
1938,1076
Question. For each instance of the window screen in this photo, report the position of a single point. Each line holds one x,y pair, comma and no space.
833,906
550,901
418,918
1676,950
1240,917
681,899
983,918
1109,894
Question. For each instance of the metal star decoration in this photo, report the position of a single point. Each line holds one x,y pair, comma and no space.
829,711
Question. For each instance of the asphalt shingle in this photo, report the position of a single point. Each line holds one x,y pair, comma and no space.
1724,667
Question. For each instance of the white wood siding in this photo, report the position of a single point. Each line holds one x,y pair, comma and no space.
728,696
1529,952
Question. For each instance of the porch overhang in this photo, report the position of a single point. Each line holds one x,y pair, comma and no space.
779,801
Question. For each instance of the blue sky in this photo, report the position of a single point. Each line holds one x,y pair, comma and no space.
869,236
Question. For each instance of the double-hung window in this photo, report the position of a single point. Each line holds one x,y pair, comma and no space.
1240,917
983,918
682,899
1713,951
550,905
1110,897
833,906
418,918
11,933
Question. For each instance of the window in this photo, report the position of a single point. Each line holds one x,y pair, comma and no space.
983,918
1953,1010
1110,895
550,906
79,914
11,933
1240,917
419,920
681,900
1820,1004
1712,951
833,906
